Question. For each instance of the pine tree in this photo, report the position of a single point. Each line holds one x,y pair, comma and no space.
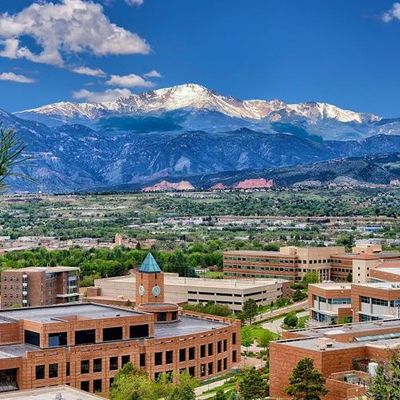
306,382
249,310
252,385
385,385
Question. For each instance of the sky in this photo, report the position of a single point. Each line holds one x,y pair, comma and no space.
344,52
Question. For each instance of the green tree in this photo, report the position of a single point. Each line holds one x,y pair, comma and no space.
220,395
291,320
252,386
349,277
264,338
11,155
309,278
299,295
385,384
306,382
249,310
184,389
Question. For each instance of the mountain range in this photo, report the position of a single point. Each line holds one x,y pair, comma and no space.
185,131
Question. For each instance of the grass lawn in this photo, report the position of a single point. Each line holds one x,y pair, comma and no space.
212,275
253,332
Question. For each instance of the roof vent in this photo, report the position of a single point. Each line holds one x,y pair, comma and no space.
59,396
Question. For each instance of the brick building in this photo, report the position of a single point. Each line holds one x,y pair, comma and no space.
39,286
331,303
293,263
84,344
346,355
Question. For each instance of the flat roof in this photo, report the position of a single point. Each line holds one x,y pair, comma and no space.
333,285
380,285
57,313
45,269
349,328
314,344
203,283
258,253
50,393
186,326
390,270
15,350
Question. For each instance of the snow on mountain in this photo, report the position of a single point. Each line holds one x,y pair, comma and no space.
197,97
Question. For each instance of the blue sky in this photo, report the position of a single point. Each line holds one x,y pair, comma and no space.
345,52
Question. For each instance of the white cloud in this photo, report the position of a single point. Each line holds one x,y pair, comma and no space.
152,74
393,13
98,97
131,80
72,26
89,71
134,2
10,76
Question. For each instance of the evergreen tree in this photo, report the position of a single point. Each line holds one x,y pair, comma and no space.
249,310
385,384
252,385
306,382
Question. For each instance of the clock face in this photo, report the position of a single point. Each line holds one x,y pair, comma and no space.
141,290
156,291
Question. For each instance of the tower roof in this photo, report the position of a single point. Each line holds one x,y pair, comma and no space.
149,265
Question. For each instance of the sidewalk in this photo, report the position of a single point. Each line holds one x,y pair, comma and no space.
299,306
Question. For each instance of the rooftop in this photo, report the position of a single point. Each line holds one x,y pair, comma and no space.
174,279
48,270
149,265
380,285
50,393
186,326
333,285
15,350
59,313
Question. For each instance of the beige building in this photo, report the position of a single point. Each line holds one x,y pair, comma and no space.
180,290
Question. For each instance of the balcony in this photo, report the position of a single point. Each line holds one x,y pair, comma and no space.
348,384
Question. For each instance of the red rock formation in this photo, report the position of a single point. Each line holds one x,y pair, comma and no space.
259,183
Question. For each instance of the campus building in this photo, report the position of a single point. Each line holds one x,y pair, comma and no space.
293,263
39,286
83,345
331,303
347,356
181,290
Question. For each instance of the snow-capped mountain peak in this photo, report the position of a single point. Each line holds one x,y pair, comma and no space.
197,97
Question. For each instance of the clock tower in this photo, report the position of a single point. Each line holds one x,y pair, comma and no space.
149,282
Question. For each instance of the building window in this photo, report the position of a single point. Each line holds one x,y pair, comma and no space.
225,345
202,370
225,363
67,368
85,337
32,338
142,359
97,386
85,386
138,331
202,350
219,347
125,360
53,370
111,334
57,339
210,368
233,338
97,365
85,367
219,365
182,355
169,357
192,353
39,372
158,358
111,381
234,356
113,363
210,349
192,371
